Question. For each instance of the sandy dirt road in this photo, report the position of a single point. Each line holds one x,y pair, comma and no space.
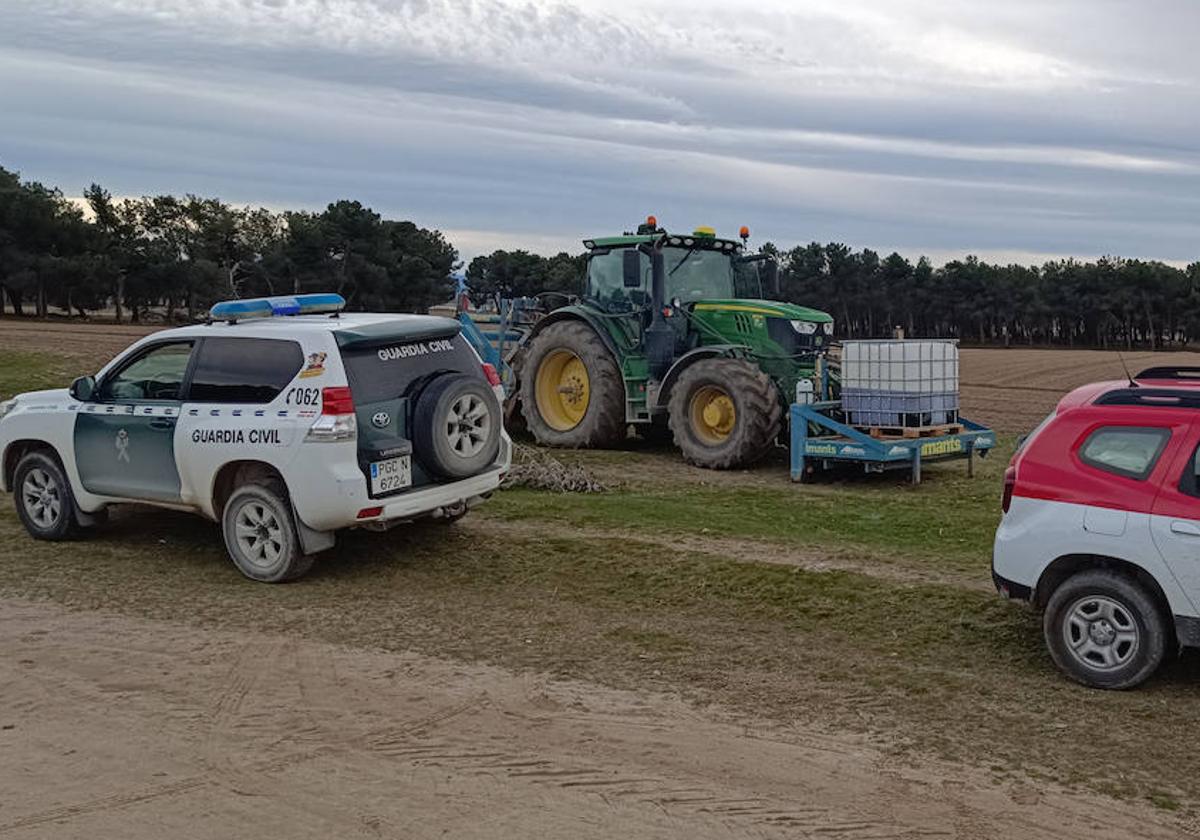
118,727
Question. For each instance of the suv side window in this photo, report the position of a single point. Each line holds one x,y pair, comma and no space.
1189,482
1129,451
243,370
156,374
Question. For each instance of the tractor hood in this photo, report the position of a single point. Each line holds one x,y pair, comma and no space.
769,308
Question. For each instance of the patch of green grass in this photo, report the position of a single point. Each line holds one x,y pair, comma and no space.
24,371
950,520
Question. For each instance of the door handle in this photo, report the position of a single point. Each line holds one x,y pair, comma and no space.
165,423
1187,529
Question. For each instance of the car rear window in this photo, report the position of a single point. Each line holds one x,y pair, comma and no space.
387,371
1124,450
244,370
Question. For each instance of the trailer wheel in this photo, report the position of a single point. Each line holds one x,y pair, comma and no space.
572,394
724,413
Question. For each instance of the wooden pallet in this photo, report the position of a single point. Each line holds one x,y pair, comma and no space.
913,431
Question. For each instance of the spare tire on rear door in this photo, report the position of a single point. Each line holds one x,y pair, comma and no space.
456,426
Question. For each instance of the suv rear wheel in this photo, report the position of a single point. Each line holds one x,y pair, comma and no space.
43,498
1105,630
456,426
260,534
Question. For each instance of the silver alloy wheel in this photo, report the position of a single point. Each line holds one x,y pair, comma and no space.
42,498
259,534
467,425
1100,632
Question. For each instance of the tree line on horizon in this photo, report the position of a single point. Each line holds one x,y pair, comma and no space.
170,258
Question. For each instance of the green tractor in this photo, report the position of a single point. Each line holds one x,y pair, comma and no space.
672,333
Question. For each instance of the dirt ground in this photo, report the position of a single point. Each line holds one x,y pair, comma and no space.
1012,390
146,690
112,726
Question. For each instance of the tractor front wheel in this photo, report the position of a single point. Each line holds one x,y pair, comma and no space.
724,413
572,394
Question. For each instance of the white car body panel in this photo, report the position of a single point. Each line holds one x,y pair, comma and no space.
325,483
1036,532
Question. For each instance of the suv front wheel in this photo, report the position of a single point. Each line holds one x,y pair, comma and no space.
45,504
260,534
1105,630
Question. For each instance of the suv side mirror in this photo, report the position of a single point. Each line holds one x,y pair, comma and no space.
632,268
83,388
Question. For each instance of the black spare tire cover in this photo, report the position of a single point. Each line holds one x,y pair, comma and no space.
456,426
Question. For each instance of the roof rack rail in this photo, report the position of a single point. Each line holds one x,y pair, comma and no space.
1170,372
1152,398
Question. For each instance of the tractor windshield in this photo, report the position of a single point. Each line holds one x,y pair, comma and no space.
698,274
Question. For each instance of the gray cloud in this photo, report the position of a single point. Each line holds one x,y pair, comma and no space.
1028,128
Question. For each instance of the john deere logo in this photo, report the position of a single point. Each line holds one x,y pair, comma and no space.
381,419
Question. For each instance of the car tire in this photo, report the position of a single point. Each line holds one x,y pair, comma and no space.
1103,629
43,497
456,426
260,534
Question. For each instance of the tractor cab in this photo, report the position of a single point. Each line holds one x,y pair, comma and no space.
714,290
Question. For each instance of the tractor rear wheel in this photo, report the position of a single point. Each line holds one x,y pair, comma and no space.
572,394
724,413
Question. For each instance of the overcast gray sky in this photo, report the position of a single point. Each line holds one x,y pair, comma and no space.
1014,130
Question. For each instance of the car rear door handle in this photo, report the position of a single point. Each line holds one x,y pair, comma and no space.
163,423
1187,529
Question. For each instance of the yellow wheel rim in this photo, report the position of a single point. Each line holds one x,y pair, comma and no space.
713,414
562,390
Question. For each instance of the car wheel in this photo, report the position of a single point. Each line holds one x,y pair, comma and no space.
260,534
45,504
1105,630
456,426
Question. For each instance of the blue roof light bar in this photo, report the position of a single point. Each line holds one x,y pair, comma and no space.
268,307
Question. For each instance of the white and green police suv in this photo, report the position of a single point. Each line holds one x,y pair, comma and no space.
284,419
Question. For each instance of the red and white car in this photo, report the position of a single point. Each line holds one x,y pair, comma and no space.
1101,527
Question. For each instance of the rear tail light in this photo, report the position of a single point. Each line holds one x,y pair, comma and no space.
337,421
337,400
1010,481
489,370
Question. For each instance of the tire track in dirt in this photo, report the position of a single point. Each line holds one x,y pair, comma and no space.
733,548
392,742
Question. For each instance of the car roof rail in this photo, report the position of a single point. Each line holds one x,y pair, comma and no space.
1151,397
1171,372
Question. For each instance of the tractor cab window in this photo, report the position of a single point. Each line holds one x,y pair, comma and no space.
746,280
606,282
698,274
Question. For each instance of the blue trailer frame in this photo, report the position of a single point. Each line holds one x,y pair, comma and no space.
840,443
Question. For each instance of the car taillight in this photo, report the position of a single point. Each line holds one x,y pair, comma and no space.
489,370
337,421
1010,481
337,400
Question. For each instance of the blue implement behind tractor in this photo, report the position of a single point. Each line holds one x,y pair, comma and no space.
819,441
